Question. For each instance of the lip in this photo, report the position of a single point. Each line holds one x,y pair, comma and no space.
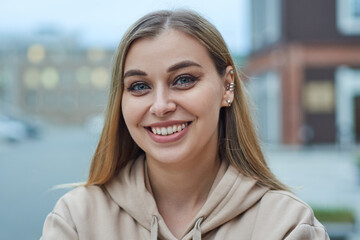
168,138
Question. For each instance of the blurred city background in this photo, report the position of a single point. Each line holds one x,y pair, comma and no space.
301,60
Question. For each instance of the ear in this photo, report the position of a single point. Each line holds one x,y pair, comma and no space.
228,80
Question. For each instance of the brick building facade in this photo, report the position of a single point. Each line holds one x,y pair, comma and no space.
310,51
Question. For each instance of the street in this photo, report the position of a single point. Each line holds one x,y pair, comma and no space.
28,172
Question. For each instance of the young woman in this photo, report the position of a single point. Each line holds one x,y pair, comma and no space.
178,157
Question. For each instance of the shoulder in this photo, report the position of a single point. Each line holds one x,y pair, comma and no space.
286,204
71,210
81,201
289,215
83,193
285,199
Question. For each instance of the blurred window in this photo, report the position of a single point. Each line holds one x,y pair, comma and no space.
67,79
36,53
100,77
266,19
347,88
265,91
49,100
50,78
32,78
348,17
31,99
319,97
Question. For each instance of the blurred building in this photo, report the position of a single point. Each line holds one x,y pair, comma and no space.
305,70
49,75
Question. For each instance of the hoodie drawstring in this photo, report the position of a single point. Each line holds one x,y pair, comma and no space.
155,226
197,229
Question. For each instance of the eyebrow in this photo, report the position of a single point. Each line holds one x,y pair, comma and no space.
134,72
183,64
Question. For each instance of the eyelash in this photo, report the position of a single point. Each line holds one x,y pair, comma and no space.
132,88
191,81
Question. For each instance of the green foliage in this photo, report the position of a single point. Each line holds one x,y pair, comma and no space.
334,214
357,160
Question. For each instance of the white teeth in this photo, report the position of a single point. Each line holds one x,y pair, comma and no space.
163,131
169,130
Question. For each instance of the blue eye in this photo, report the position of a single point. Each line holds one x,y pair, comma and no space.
138,88
185,81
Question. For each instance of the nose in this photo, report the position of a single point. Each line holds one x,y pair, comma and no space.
162,104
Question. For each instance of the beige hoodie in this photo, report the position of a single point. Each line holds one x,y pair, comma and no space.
236,209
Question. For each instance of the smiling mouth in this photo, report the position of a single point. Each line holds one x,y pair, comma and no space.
164,131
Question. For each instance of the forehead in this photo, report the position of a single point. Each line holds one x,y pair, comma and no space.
165,49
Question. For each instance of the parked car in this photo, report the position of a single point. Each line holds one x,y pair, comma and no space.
10,130
15,129
32,129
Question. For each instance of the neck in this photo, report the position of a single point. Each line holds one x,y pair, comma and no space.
180,187
180,192
184,186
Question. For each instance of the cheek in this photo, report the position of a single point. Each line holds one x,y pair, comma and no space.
205,103
131,111
211,98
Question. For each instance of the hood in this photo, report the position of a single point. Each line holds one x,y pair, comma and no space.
231,194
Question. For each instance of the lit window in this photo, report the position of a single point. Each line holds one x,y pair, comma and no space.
100,77
36,53
31,78
318,97
49,78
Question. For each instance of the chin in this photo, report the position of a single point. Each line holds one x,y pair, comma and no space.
167,157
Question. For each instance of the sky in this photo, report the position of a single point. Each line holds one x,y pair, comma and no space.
103,22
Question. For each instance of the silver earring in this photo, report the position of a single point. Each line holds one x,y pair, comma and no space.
231,71
229,102
230,86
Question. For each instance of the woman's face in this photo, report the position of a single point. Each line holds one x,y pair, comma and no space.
172,97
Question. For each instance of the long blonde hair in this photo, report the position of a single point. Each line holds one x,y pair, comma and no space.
238,143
